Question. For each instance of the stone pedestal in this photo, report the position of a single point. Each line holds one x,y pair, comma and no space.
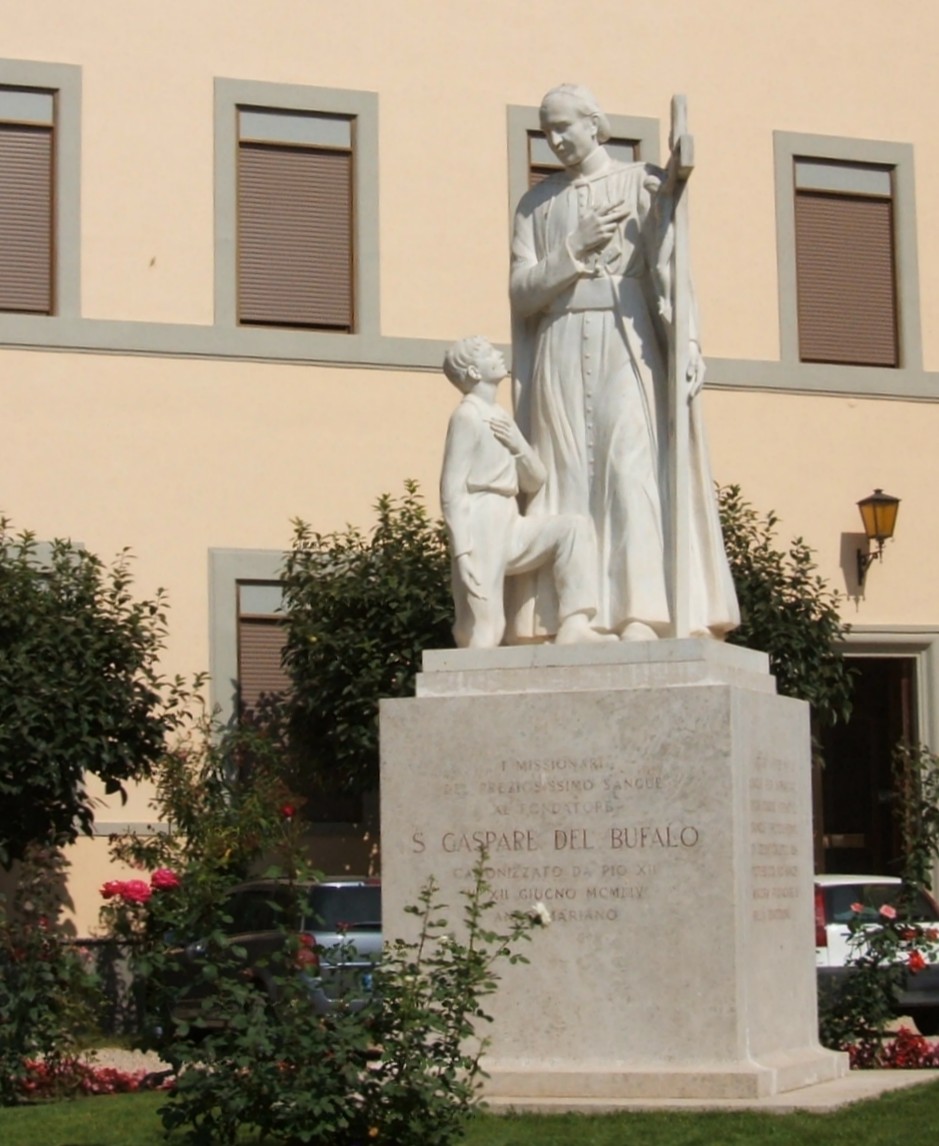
656,798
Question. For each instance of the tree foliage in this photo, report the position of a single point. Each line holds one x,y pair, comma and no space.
79,688
788,610
360,609
222,795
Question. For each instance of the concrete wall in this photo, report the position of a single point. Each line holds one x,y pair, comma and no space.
173,449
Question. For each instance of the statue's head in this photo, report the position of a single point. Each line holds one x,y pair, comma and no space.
573,122
472,360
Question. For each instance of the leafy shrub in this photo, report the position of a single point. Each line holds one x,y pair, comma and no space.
359,611
854,1014
72,1077
905,1051
403,1070
787,609
47,993
79,688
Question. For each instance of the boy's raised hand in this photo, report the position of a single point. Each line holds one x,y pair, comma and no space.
506,431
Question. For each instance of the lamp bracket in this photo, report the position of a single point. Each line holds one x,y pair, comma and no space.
865,560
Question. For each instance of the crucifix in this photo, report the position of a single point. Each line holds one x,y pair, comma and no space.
678,533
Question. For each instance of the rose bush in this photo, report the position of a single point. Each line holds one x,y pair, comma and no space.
48,995
854,1015
404,1070
71,1077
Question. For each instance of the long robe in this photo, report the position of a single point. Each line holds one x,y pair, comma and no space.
590,386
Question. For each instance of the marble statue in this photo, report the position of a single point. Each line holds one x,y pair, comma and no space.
592,303
486,463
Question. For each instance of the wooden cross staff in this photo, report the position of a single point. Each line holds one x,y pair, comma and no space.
678,530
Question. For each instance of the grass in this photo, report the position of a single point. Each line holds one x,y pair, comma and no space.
907,1116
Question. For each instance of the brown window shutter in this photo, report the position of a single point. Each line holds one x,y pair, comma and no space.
260,644
538,175
847,300
295,236
26,219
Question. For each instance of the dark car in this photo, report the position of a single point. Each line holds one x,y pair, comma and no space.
339,926
837,898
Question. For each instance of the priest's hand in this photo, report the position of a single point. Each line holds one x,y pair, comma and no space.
595,229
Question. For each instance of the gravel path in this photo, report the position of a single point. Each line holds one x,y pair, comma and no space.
128,1060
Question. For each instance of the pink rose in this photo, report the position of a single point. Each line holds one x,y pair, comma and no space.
888,912
112,887
163,879
135,891
857,908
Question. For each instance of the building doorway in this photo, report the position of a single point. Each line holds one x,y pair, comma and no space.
855,826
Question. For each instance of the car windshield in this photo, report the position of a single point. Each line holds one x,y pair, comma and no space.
872,897
349,906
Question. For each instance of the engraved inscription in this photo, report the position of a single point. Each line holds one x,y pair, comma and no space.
586,836
775,874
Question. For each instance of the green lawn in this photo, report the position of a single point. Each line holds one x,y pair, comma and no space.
910,1117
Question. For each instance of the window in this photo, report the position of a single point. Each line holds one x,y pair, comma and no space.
246,640
295,236
542,161
26,172
847,259
261,638
296,212
40,118
845,263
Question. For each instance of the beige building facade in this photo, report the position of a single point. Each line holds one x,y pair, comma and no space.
170,380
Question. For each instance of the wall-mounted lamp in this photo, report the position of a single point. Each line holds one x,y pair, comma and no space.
879,514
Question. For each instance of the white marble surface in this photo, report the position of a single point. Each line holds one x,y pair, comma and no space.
486,464
591,289
667,827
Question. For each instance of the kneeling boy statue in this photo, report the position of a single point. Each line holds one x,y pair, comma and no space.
486,463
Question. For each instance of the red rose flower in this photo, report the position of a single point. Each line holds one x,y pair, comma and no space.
288,811
112,887
307,957
916,962
135,891
163,879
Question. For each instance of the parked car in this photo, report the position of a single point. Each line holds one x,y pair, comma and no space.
340,934
836,898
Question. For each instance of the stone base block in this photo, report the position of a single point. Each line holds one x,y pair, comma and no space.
656,799
776,1074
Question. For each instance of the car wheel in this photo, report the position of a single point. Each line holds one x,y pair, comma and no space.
927,1020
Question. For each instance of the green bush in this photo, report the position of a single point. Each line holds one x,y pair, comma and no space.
854,1014
359,611
402,1070
787,610
48,995
79,688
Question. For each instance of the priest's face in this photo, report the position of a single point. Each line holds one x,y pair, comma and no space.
571,135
